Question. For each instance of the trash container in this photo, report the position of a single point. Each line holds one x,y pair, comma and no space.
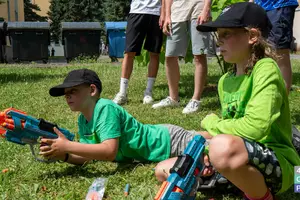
29,40
81,39
3,26
115,32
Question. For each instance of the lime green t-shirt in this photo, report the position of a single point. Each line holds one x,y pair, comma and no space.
143,142
256,107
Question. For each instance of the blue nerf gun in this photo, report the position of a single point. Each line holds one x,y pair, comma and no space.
184,176
17,127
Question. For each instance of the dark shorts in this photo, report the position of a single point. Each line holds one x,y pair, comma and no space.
139,27
265,160
282,19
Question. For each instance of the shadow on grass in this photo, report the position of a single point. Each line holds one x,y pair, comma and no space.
91,171
16,77
186,86
296,78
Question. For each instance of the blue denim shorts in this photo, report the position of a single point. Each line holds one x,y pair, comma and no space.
281,34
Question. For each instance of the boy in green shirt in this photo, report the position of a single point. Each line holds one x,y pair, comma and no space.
251,145
107,131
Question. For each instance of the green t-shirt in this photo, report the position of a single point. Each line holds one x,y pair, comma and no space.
143,142
256,107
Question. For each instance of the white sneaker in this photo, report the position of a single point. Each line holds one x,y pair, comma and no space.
191,107
167,102
147,99
120,99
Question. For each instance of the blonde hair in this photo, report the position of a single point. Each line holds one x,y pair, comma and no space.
260,49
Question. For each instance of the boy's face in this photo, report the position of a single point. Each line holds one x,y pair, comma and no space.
78,97
234,44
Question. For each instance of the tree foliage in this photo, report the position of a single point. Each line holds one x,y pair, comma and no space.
73,11
30,12
116,10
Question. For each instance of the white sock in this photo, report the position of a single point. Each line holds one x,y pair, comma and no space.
150,84
123,85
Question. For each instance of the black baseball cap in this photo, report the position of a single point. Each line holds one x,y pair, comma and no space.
74,78
240,15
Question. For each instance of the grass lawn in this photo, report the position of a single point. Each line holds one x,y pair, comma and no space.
25,87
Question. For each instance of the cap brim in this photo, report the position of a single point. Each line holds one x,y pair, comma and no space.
214,25
59,90
207,27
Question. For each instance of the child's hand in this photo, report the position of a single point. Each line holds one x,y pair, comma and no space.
54,148
208,169
206,135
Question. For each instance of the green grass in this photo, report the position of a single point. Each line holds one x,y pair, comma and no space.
25,87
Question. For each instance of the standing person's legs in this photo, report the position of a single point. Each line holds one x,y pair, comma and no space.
173,76
281,36
135,34
284,64
200,45
176,46
153,45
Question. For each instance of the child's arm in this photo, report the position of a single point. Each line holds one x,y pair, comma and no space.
78,152
261,111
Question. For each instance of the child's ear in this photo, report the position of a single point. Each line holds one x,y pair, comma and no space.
254,34
93,90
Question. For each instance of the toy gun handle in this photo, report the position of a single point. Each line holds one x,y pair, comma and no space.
185,174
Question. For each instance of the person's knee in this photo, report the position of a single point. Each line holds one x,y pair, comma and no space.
160,172
227,152
129,55
162,169
160,175
171,59
200,59
154,55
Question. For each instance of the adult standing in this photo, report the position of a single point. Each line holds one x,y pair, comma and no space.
182,17
144,23
281,15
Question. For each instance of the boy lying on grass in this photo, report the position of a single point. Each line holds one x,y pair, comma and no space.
107,131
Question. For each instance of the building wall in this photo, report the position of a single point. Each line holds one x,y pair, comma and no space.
44,6
12,10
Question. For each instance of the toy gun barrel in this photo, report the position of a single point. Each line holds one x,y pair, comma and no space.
20,126
16,126
183,180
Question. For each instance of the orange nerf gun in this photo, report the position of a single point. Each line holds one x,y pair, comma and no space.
17,127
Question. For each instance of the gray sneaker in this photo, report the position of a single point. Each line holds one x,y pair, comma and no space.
120,99
167,102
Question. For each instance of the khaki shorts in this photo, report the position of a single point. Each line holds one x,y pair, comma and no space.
182,33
